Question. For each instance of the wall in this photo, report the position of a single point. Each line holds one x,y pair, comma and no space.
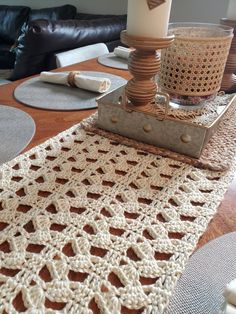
209,11
182,10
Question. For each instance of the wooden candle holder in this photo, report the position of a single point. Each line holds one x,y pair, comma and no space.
144,63
229,79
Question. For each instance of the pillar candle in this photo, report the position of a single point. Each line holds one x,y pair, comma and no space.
144,22
231,13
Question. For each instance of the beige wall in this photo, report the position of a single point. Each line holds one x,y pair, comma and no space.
182,10
198,10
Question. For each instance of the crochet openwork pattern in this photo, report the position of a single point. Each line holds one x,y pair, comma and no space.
202,116
89,223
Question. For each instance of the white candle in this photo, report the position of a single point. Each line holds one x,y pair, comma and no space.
231,13
144,22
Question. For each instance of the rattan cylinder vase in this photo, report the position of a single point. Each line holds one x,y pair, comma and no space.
192,67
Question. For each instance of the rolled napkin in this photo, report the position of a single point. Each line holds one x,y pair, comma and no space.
230,292
76,79
122,52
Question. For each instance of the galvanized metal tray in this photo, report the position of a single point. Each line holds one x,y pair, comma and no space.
181,136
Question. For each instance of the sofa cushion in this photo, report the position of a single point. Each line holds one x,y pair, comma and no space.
42,38
65,12
7,56
12,19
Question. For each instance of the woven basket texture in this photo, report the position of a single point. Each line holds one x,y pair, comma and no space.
194,64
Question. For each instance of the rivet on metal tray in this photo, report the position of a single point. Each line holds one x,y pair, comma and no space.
147,128
114,119
185,138
120,100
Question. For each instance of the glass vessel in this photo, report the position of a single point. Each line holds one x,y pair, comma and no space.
193,66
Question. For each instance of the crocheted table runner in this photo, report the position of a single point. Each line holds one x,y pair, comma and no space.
86,222
205,115
219,153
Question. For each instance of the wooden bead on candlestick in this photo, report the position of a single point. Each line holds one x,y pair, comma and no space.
228,83
144,63
144,66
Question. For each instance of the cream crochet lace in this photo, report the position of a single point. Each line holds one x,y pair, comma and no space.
108,224
202,116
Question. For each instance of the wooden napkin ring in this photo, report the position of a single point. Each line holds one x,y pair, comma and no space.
71,78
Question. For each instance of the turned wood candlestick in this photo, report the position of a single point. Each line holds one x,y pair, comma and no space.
144,63
229,79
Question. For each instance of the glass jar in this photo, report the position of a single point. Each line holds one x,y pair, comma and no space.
193,66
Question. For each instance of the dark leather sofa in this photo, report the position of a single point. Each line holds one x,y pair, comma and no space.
28,42
12,19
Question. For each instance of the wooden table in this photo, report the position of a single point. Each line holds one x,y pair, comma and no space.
50,123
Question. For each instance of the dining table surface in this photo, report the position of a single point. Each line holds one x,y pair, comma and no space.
50,123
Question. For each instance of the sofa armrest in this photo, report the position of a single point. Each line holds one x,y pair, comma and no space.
41,38
11,20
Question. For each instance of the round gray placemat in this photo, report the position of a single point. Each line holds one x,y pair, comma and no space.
38,94
2,82
199,290
112,61
16,131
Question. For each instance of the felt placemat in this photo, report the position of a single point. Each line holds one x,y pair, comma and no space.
16,131
112,61
200,289
38,94
2,82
